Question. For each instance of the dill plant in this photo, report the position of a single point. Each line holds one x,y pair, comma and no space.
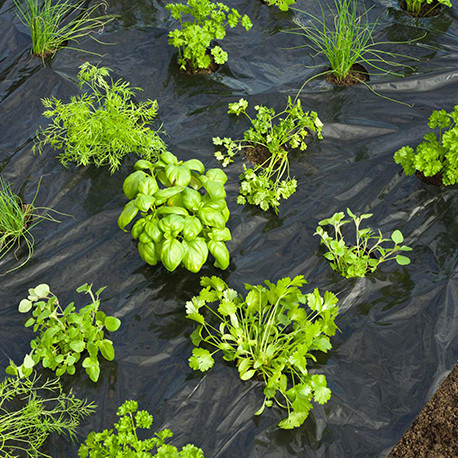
31,410
53,24
103,126
346,39
16,221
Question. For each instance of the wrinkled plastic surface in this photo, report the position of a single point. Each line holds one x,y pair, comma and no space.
399,327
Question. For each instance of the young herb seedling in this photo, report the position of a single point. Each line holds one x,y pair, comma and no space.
178,224
269,181
125,442
438,154
194,37
423,8
101,127
269,335
364,256
283,5
65,334
31,410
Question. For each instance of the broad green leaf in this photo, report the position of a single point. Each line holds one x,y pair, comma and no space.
148,253
107,350
178,175
248,374
195,164
220,253
402,260
163,195
137,228
215,189
191,199
112,323
93,372
211,217
42,290
128,214
192,228
77,345
148,186
168,158
201,360
172,252
131,183
227,308
144,202
172,210
28,362
25,305
195,254
294,420
397,237
172,224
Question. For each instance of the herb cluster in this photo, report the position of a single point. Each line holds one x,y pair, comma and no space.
416,6
283,5
125,442
361,258
267,183
178,224
65,334
101,127
267,334
31,410
438,154
194,37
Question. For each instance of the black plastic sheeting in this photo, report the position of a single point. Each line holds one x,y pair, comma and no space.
399,327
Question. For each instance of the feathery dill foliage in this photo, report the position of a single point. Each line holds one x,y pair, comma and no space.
31,410
345,38
53,24
16,220
103,126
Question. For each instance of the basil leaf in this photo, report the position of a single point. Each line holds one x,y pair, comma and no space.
220,253
131,183
172,252
195,254
128,214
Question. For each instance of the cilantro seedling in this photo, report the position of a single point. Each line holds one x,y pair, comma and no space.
269,335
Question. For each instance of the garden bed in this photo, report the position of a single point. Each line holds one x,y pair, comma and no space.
398,334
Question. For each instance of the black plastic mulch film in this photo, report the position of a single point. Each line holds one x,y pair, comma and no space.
399,327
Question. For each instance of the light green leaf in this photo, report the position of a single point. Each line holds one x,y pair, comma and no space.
201,360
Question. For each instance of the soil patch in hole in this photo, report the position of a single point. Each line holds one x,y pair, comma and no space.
357,75
434,434
201,71
427,10
257,154
435,180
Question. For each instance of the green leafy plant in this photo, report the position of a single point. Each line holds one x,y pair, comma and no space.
364,256
270,336
178,224
17,220
53,24
125,442
194,37
283,5
269,181
101,127
345,38
418,7
438,154
31,410
64,334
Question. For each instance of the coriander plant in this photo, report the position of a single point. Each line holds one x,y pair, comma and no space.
16,221
53,24
31,410
103,126
438,154
184,221
283,5
364,256
208,22
125,442
270,336
64,334
272,133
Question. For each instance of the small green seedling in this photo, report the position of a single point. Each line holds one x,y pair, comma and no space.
283,5
269,335
364,256
65,334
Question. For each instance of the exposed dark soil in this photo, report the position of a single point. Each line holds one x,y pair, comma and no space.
201,71
427,10
257,154
435,180
357,75
434,434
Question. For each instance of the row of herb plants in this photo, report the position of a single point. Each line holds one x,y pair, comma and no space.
268,333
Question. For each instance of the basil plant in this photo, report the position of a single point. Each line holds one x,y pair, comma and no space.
183,213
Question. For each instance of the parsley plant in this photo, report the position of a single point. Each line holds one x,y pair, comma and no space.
266,183
64,334
438,154
283,5
124,443
101,127
194,37
361,258
267,334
